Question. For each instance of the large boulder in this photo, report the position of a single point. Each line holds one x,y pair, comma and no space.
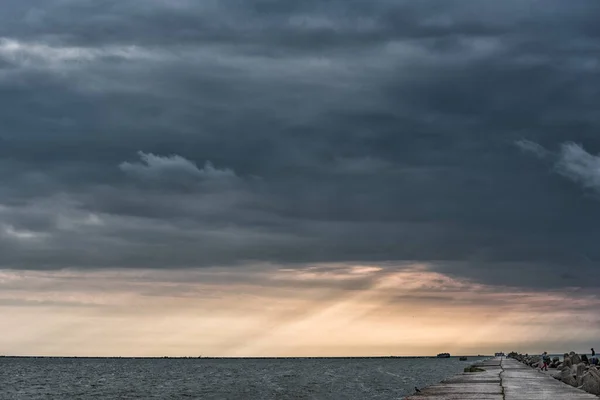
580,370
566,376
575,358
590,381
567,361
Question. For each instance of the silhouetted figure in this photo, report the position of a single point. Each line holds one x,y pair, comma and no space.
593,352
417,390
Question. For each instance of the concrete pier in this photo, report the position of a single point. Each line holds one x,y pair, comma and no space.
503,379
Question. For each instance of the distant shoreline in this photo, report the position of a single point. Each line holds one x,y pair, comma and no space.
230,358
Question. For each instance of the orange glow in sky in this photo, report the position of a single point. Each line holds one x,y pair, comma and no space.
323,310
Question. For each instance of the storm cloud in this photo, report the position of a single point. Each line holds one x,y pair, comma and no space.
183,134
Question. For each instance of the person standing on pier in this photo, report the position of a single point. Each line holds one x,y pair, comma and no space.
544,361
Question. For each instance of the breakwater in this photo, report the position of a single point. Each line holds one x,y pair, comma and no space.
574,369
501,378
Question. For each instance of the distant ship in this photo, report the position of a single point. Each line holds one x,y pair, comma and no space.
443,355
463,359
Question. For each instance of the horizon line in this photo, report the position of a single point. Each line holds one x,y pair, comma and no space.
232,357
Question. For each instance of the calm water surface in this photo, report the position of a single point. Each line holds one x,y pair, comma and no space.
382,378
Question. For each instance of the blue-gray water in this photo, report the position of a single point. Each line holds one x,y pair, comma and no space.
376,378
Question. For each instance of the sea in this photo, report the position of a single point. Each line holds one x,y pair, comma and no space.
204,378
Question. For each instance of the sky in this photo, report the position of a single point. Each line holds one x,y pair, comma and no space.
299,178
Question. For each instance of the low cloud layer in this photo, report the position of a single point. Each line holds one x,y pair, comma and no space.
162,135
327,309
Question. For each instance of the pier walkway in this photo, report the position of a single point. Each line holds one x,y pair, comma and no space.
503,379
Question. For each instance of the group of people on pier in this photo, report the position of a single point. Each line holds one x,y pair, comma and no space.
546,360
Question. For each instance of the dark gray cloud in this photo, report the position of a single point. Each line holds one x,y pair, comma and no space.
571,161
183,134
